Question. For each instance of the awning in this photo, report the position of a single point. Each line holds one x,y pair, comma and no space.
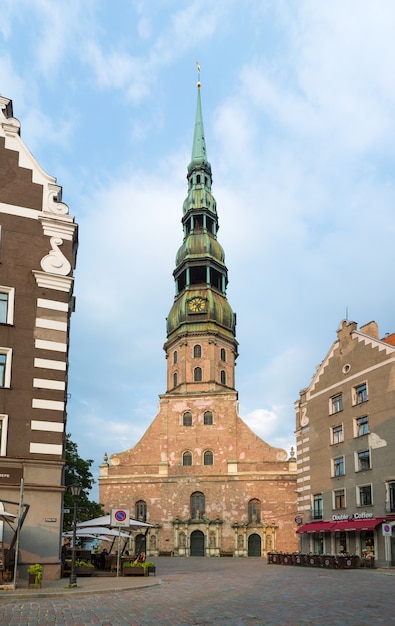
343,525
357,524
316,527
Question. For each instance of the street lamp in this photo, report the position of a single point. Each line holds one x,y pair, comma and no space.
75,492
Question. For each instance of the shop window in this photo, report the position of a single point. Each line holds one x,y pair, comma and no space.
254,511
362,426
208,418
367,544
340,542
339,499
364,495
336,404
360,394
317,506
337,435
197,375
362,461
197,351
197,505
187,458
208,458
141,511
187,419
338,466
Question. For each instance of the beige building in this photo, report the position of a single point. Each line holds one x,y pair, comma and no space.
199,475
38,245
346,448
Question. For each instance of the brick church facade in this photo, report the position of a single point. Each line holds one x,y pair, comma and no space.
208,485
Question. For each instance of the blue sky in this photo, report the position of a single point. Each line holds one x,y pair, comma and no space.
298,102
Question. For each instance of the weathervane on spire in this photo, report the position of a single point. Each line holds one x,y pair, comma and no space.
198,69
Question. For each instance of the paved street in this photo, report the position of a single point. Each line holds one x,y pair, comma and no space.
226,591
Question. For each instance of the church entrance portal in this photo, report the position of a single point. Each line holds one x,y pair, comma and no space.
254,545
197,543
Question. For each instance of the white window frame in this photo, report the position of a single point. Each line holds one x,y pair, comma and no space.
363,469
359,487
356,426
340,456
355,393
332,410
10,291
7,371
3,435
338,426
334,492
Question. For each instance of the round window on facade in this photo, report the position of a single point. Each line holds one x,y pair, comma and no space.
346,368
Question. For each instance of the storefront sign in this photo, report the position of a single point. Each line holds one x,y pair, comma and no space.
339,518
10,475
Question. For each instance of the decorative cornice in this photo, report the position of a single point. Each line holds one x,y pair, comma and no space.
52,281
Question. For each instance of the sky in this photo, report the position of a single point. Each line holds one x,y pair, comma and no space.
298,100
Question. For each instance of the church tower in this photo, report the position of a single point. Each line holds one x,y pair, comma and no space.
201,316
208,485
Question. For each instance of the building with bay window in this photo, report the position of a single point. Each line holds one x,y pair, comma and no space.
38,246
345,429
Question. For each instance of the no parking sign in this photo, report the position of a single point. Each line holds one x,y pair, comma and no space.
387,530
120,517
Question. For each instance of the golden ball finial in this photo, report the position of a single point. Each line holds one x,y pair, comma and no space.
198,84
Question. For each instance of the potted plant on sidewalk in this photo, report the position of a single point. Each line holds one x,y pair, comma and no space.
35,573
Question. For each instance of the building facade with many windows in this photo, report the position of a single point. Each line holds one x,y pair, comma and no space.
38,245
345,428
206,482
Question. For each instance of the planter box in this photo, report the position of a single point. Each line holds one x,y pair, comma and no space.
84,571
32,581
133,571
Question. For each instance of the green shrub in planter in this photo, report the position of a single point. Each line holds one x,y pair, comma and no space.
35,573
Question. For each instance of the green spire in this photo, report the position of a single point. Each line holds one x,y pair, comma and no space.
199,153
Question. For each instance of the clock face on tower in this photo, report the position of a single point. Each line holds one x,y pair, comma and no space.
197,305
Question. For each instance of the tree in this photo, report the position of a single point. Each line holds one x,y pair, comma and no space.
78,471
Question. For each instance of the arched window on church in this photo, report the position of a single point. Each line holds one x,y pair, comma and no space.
223,377
197,374
175,357
254,511
208,418
223,354
187,458
197,351
175,379
187,419
208,458
197,505
141,511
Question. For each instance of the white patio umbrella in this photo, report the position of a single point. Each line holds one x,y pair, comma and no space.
95,531
9,517
105,520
